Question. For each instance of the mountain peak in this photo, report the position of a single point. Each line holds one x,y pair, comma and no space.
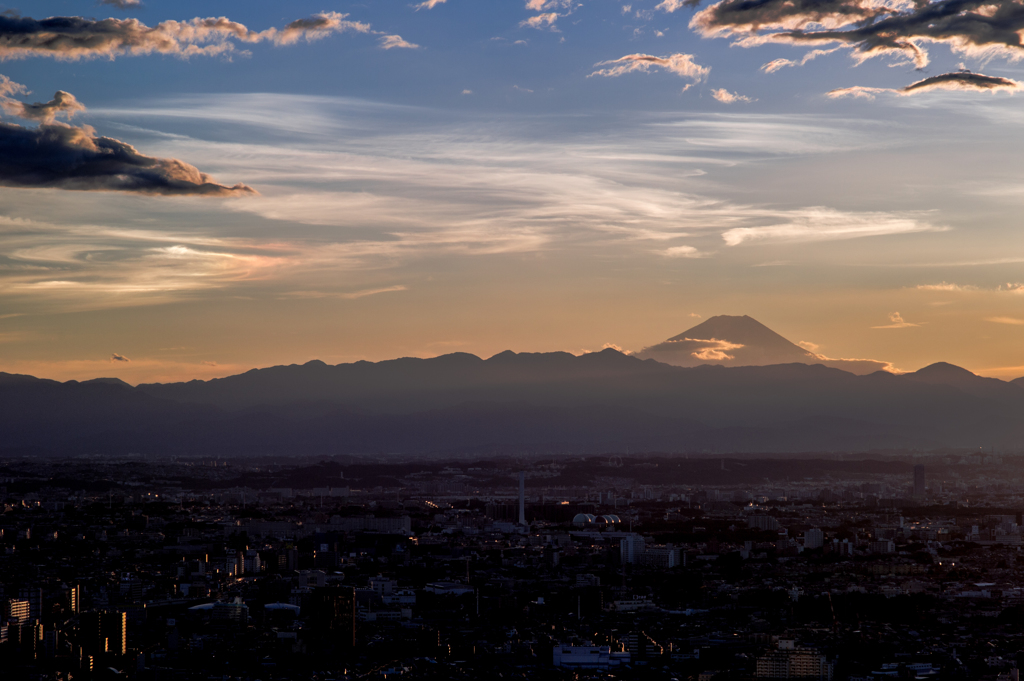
741,340
943,370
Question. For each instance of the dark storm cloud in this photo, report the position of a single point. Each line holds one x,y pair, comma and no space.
958,80
71,38
68,157
976,28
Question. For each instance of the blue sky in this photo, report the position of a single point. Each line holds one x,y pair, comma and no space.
486,185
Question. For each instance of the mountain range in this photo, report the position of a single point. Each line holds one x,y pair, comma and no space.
521,403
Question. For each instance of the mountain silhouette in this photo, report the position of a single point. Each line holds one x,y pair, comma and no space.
511,403
744,341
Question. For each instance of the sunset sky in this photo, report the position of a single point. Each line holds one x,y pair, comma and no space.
369,180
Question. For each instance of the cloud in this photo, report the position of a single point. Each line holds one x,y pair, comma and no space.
809,346
673,5
74,38
897,322
901,29
429,4
67,157
694,315
350,295
682,252
714,350
63,104
467,92
963,81
727,97
823,224
388,42
946,287
776,64
541,21
521,89
64,156
679,64
1006,320
128,4
118,358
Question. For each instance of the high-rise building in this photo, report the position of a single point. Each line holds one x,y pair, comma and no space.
332,614
814,538
75,598
631,547
17,610
919,481
103,632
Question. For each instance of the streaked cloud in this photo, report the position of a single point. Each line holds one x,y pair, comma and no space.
680,64
115,357
777,64
125,4
896,322
1013,321
74,38
962,81
430,4
823,224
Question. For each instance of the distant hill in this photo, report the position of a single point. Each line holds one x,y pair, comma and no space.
743,341
526,402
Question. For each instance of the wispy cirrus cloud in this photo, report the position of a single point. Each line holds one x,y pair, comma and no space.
122,4
115,357
1013,321
680,64
823,224
74,38
430,4
777,64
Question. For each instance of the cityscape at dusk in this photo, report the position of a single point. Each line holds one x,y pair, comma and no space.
652,340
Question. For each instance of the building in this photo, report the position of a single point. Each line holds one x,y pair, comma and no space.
659,556
17,611
332,614
104,632
522,498
814,538
763,522
235,613
791,662
587,657
631,547
919,488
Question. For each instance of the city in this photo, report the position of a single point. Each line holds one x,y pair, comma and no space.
889,565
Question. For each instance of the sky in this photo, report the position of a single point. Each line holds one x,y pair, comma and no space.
193,189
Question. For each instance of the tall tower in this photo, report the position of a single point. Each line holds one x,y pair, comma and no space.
919,481
522,498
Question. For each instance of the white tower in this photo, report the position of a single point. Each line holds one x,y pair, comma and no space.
522,498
